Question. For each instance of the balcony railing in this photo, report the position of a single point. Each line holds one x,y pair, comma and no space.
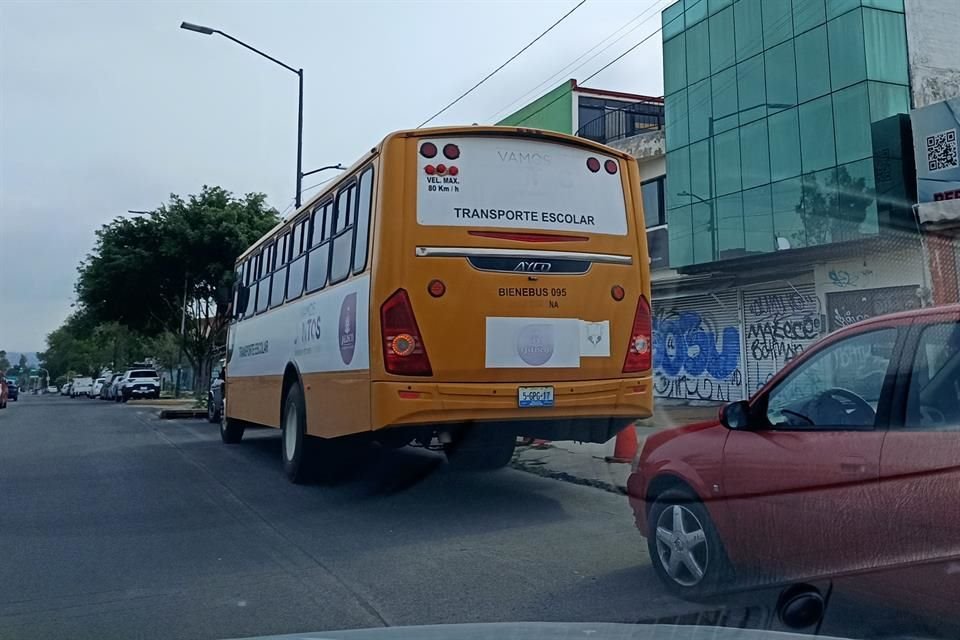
617,124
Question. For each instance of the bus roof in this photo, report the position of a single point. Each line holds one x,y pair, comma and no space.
334,184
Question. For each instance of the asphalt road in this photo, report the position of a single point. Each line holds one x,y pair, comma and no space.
114,524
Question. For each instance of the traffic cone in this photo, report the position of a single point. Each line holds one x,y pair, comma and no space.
625,448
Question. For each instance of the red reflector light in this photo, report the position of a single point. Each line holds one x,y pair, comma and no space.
639,349
617,292
452,170
430,169
436,288
593,164
403,350
610,166
409,395
428,150
441,169
451,151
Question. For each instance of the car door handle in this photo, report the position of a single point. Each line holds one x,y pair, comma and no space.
853,465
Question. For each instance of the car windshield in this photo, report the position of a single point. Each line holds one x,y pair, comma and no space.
326,317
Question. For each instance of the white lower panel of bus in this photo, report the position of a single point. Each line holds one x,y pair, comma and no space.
547,343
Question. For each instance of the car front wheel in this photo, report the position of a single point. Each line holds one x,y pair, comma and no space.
685,549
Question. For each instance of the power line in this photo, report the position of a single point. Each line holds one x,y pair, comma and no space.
509,60
595,73
570,68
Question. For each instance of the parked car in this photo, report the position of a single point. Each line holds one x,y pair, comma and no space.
65,389
110,386
52,389
3,392
94,391
846,465
140,383
216,397
13,391
115,394
81,386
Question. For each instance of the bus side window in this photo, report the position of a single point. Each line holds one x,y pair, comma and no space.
363,208
279,288
298,261
343,236
318,261
263,291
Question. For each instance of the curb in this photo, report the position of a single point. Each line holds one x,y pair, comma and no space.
543,472
178,414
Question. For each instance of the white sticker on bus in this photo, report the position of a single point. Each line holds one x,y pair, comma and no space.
518,183
547,343
325,331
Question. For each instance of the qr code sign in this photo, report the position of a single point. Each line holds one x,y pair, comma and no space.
942,151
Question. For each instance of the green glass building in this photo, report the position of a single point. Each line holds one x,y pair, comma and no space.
780,120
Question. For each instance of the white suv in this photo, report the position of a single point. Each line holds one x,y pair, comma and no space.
139,383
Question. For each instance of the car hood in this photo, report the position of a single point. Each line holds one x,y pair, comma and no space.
658,438
546,631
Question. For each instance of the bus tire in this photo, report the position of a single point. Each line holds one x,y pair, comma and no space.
231,429
482,448
297,448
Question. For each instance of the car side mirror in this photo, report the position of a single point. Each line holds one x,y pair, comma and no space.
736,415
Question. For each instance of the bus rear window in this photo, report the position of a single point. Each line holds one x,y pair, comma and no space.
513,183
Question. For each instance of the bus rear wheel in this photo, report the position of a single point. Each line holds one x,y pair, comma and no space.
481,448
231,430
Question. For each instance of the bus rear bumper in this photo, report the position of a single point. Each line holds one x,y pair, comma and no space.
589,411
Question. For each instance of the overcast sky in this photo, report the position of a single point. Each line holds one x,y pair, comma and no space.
106,107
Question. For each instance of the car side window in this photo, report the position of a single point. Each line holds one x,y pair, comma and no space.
837,387
933,393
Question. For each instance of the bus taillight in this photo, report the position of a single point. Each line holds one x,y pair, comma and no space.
403,350
639,350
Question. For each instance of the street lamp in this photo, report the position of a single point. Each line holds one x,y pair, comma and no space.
338,166
207,31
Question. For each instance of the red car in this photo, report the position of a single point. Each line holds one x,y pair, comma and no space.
846,466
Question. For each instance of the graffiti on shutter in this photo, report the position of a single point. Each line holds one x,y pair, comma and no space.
779,323
697,347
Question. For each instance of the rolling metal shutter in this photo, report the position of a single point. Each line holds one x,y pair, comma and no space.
779,323
697,347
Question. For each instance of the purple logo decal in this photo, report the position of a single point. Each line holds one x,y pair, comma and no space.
535,344
348,327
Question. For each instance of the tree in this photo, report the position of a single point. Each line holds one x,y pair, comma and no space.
23,362
176,263
834,211
4,363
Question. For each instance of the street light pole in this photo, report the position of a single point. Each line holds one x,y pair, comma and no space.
208,31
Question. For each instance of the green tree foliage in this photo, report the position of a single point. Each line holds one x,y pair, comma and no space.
140,268
832,212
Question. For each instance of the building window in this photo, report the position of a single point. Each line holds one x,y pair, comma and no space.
726,161
672,20
748,27
700,170
758,220
675,113
813,79
654,213
680,233
839,7
724,87
787,202
703,232
851,114
696,11
722,52
784,133
698,53
886,46
754,154
808,14
777,22
678,177
887,100
780,68
816,135
730,225
674,64
751,90
847,62
700,110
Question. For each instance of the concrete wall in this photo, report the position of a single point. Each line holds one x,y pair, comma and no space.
552,111
645,146
933,32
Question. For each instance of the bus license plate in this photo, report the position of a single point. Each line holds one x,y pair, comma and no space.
535,397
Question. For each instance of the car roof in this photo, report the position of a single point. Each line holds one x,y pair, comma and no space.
899,316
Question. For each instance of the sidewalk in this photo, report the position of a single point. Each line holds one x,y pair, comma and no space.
584,463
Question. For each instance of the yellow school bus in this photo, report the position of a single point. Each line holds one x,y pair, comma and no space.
457,287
